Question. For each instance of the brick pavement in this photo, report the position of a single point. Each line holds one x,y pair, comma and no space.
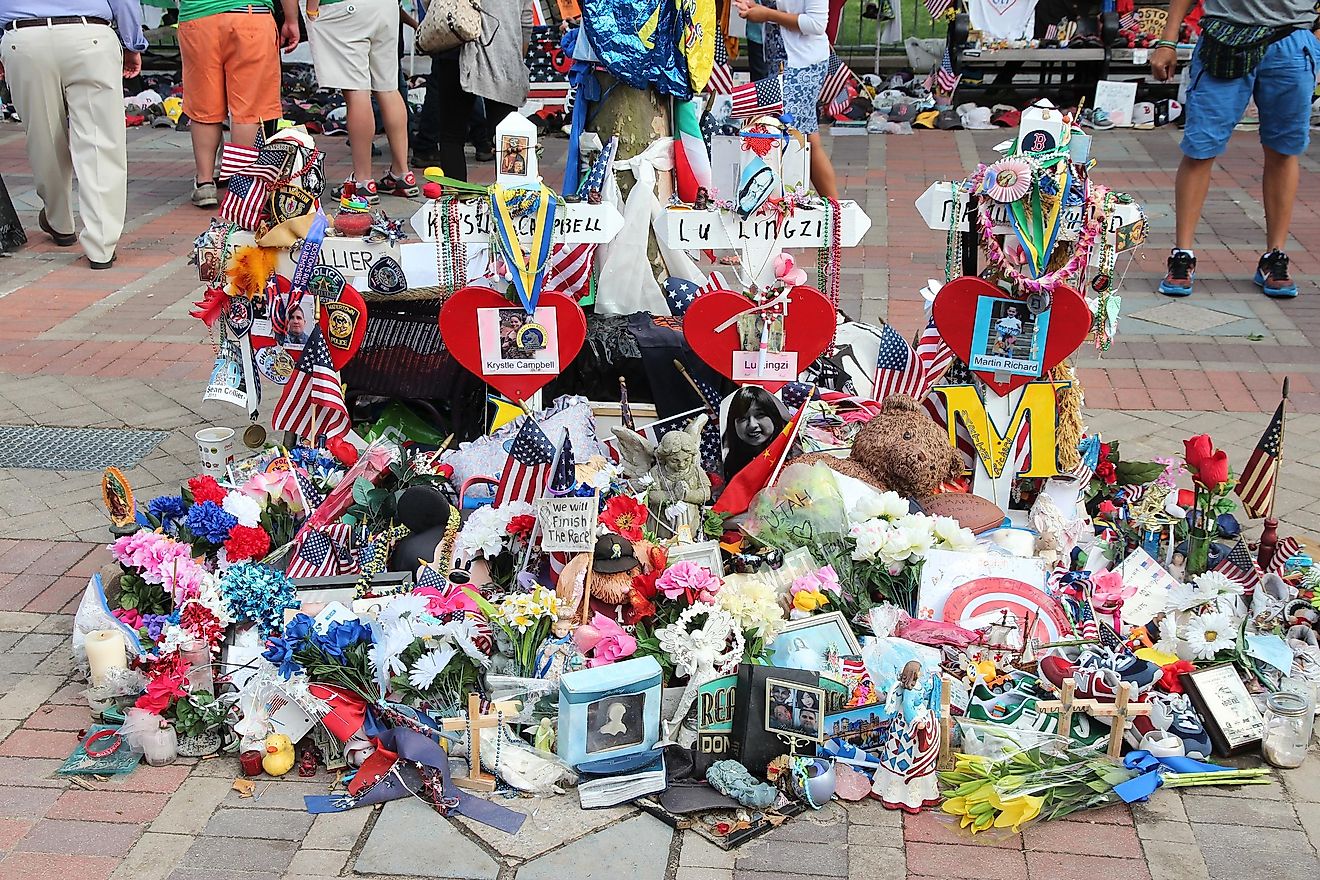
117,349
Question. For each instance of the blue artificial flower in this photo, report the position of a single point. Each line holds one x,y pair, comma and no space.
168,509
280,652
258,593
210,522
341,636
297,630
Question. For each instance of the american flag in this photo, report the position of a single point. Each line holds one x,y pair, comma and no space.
1126,21
1283,551
945,79
1052,32
679,294
936,8
564,478
837,77
760,98
313,401
527,469
721,75
1239,566
250,172
570,264
902,370
1256,485
323,552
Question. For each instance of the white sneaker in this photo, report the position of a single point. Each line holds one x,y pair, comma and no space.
204,195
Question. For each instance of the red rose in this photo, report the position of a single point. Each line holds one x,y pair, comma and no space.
246,542
1104,451
1106,471
625,516
444,470
205,488
521,526
1209,466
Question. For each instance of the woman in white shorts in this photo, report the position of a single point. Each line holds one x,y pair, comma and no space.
355,49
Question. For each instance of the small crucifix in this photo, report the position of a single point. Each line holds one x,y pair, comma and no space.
473,723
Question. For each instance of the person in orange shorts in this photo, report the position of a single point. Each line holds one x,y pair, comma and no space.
231,70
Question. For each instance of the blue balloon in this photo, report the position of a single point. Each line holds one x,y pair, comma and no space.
637,41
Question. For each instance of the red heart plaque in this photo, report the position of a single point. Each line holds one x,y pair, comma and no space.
343,324
808,329
961,302
474,313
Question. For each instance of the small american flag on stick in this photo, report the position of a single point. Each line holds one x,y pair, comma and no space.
313,400
760,98
721,75
1256,485
527,470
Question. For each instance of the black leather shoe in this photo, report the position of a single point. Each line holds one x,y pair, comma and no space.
106,265
63,239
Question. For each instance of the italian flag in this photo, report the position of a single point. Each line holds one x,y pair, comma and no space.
691,161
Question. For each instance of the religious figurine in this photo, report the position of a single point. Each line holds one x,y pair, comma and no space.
544,736
906,777
678,485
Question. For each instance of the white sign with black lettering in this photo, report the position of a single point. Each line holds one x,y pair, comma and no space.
568,525
576,222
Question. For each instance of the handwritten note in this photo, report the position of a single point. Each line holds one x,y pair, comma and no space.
568,525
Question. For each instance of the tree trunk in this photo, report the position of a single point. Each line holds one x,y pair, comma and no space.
638,117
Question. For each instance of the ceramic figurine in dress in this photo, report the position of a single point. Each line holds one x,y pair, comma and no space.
906,777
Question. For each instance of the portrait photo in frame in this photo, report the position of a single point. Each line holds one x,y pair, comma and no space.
1230,715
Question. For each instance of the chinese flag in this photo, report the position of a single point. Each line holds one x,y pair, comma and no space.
755,476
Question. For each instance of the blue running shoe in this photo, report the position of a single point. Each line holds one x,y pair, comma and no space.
1272,276
1182,266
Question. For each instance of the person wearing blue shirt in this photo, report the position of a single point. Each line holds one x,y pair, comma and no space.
63,60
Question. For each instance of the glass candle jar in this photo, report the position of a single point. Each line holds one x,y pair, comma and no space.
161,746
1288,720
198,655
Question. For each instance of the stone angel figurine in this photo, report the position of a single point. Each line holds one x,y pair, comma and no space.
677,487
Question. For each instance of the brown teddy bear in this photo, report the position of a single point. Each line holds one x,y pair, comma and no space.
900,450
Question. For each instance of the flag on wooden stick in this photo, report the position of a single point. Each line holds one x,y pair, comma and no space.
1256,486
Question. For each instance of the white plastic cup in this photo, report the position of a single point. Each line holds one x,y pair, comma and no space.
215,448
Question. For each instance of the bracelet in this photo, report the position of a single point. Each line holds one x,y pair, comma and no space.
115,742
1166,44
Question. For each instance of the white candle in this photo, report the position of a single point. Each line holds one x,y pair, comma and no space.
105,653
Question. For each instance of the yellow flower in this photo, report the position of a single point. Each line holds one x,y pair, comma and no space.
809,600
1018,811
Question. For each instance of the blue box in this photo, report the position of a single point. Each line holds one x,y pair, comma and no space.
609,712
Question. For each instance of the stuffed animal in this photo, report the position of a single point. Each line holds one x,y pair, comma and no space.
617,561
279,755
900,450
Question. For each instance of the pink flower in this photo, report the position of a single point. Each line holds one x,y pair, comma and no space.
130,616
275,485
1108,591
441,602
614,642
690,579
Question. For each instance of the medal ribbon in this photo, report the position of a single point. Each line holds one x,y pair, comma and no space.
1034,230
308,256
528,276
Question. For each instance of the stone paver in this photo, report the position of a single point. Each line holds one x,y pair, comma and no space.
117,349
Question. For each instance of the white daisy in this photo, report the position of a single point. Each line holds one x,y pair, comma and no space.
1207,634
1213,583
429,666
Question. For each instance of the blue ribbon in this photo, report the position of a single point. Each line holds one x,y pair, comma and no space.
586,91
309,255
1152,771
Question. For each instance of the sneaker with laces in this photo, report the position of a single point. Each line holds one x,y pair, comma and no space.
1172,714
1182,268
1272,276
204,195
1129,667
404,186
367,191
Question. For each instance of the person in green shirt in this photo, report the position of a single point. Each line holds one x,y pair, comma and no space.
231,70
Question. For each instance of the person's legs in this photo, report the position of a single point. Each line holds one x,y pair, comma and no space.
203,44
756,63
822,169
361,130
93,90
394,113
1191,186
426,143
455,108
1280,191
34,73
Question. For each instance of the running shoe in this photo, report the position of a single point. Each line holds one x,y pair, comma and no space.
1129,667
1272,276
1182,268
404,187
1172,713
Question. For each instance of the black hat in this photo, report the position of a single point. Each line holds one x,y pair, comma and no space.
613,555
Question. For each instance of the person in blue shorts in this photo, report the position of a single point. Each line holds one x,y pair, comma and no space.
1282,83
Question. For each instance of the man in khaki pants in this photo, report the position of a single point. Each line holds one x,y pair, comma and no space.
64,62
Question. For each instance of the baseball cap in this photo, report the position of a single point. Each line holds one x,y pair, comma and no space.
902,112
926,119
974,117
1005,115
948,120
1143,114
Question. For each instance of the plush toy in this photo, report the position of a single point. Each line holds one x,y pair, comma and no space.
279,755
900,450
433,523
617,561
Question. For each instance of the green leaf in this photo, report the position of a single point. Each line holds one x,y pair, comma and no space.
128,601
1137,473
361,487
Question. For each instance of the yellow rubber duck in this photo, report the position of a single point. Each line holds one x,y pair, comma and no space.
279,755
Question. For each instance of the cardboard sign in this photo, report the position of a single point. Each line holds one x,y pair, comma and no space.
568,525
574,222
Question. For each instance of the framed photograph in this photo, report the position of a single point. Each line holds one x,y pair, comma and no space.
811,642
794,710
1007,338
864,728
703,553
1230,715
615,722
514,342
514,150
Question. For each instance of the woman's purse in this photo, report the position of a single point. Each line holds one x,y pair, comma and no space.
1231,51
449,24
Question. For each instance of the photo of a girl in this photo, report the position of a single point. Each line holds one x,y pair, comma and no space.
755,418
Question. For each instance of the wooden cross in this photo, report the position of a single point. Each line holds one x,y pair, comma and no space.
1119,711
474,722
